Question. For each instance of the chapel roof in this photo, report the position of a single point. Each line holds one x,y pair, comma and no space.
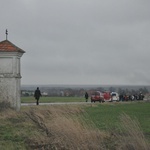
7,46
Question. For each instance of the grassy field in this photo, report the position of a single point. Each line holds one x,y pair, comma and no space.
107,126
52,99
106,116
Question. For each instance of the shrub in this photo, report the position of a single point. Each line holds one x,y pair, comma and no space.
4,105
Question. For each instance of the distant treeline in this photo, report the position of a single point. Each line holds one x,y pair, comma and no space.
54,91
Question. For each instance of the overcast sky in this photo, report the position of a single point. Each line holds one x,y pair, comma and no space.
80,41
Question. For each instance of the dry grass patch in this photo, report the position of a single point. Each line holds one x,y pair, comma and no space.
62,130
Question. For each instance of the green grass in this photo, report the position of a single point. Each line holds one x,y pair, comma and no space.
52,99
107,116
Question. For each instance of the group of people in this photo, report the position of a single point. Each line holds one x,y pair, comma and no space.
124,97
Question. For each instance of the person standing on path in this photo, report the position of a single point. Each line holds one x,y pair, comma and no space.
37,95
86,96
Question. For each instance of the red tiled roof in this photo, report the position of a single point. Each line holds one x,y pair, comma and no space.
7,46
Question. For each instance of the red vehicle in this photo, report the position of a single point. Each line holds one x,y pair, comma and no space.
107,96
100,96
97,96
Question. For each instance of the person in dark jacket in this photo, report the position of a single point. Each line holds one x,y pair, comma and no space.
37,95
86,96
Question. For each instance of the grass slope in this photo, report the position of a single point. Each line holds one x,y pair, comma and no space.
97,126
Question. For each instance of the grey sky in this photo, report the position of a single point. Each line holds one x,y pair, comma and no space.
80,41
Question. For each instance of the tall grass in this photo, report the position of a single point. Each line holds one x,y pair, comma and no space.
66,128
64,131
132,136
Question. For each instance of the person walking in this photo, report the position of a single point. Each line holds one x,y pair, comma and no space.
37,95
86,96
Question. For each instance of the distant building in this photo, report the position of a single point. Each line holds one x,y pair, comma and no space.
44,94
27,93
10,75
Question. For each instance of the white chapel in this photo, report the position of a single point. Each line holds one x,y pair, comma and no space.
10,74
